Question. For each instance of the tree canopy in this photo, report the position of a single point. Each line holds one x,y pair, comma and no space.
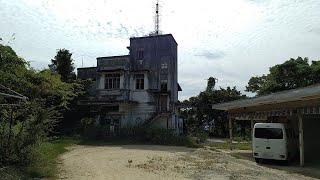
291,74
23,127
63,65
202,115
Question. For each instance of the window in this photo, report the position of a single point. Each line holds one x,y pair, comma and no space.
140,54
268,133
164,65
112,81
140,81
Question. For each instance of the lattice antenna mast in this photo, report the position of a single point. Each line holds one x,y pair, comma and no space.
157,20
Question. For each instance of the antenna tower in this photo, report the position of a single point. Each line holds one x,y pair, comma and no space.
157,20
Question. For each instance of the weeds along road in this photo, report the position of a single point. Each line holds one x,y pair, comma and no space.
161,162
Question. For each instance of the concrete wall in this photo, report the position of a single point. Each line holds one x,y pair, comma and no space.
156,48
87,73
140,105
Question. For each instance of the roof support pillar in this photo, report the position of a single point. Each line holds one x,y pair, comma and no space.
230,133
252,124
301,141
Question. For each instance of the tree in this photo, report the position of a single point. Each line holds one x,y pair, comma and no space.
211,84
202,116
63,65
293,73
24,127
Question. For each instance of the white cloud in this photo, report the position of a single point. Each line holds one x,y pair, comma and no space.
231,40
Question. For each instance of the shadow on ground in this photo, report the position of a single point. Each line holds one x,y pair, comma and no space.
310,169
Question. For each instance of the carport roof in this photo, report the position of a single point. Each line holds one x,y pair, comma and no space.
300,94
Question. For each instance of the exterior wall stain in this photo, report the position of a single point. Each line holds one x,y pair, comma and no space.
138,88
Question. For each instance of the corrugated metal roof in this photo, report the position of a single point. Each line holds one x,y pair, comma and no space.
306,93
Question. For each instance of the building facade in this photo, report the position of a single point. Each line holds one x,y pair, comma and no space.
139,88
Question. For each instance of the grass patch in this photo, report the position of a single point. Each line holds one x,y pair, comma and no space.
241,139
46,165
238,146
237,156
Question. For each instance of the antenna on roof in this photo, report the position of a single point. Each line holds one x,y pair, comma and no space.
157,20
82,62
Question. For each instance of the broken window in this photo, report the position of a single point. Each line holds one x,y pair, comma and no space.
112,81
139,81
140,54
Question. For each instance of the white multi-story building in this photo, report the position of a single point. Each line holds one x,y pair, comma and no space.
139,88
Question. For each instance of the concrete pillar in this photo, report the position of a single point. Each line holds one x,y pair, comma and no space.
301,141
230,133
252,124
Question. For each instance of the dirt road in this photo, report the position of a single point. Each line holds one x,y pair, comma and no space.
161,162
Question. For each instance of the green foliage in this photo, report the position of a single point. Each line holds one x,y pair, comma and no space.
24,128
201,115
291,74
63,65
11,172
201,135
211,84
137,134
46,163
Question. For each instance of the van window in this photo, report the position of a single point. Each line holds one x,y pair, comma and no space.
268,133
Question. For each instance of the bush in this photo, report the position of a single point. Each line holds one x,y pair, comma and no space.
201,135
19,139
139,134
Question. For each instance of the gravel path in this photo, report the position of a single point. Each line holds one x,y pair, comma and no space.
161,162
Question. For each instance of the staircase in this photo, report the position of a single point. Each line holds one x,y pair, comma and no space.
154,117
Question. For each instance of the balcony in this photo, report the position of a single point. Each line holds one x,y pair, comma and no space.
113,95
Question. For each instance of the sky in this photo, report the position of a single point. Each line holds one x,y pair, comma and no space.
231,40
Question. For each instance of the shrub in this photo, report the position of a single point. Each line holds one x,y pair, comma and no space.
139,133
17,140
201,135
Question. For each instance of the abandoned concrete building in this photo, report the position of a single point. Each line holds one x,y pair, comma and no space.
138,88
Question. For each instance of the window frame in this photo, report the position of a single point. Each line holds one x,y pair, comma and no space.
112,81
139,82
140,54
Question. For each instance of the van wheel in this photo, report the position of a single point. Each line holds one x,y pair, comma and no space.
258,160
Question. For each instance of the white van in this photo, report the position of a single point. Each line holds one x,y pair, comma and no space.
273,141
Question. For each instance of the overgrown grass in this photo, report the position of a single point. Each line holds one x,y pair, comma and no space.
138,134
46,165
11,172
186,141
